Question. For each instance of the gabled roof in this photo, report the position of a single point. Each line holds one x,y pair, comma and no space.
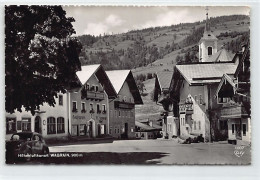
88,70
118,77
205,72
245,55
220,56
207,35
164,79
229,79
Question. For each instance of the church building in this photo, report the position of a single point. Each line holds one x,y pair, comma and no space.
208,44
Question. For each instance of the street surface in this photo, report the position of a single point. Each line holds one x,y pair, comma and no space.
158,151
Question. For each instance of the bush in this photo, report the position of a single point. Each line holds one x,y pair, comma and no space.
140,77
149,76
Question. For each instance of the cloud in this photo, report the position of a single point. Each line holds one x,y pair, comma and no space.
167,19
106,26
96,28
114,20
97,20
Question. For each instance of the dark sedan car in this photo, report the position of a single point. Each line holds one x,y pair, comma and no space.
24,145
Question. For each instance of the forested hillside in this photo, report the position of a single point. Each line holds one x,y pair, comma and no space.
138,48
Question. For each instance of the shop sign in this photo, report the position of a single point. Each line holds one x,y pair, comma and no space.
78,117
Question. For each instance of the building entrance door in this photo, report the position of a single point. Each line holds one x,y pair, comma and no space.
238,131
99,130
126,130
90,129
37,124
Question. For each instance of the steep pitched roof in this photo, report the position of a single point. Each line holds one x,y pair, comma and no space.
205,72
118,77
164,79
207,35
229,79
220,56
86,72
245,56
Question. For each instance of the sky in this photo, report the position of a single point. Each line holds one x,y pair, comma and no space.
97,20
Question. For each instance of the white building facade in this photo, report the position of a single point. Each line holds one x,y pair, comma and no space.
51,122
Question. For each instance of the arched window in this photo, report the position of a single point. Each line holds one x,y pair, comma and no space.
51,125
209,51
60,125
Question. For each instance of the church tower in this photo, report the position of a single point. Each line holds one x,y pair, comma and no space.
208,43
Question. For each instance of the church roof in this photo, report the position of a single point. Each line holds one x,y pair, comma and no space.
164,79
208,35
205,72
221,56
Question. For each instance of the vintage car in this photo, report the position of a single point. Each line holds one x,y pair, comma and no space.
23,145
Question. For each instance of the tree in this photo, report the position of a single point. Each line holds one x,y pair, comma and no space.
179,59
140,86
187,57
41,57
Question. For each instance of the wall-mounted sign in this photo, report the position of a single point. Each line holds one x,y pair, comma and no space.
101,119
78,117
44,122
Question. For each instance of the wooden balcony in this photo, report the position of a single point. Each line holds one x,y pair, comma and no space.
233,112
124,105
95,95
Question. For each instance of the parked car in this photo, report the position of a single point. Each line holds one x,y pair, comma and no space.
24,144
